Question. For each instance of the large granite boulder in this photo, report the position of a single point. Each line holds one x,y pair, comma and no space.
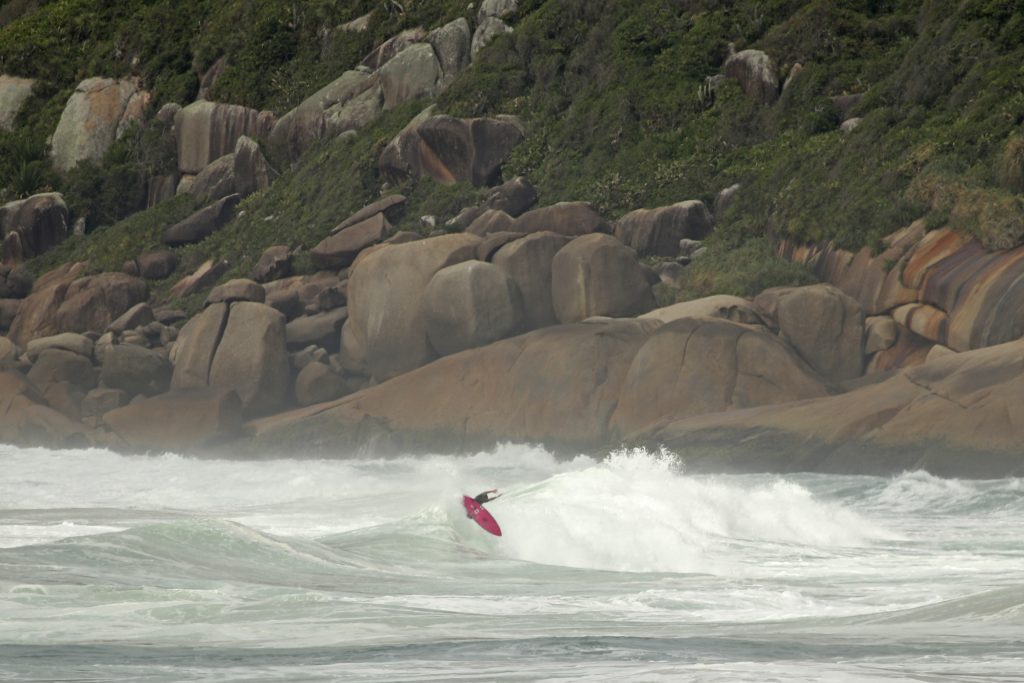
824,325
694,366
68,341
274,264
13,93
91,303
471,304
656,232
322,329
557,386
565,218
216,181
451,44
958,415
138,315
491,221
385,300
239,289
202,223
251,170
197,342
204,276
317,383
208,130
596,275
392,47
528,262
96,114
451,150
392,207
57,365
251,358
756,73
414,72
37,317
308,123
340,249
178,421
135,370
25,418
156,265
40,222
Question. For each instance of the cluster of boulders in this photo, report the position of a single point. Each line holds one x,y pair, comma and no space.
535,325
927,293
380,304
218,156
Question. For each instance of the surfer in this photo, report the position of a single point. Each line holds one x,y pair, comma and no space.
486,496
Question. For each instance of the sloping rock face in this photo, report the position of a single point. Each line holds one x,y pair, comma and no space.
557,385
40,222
574,386
656,232
941,273
452,150
307,124
208,130
96,114
13,93
695,366
956,415
385,300
178,420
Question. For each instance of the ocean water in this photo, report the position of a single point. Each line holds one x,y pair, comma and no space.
165,568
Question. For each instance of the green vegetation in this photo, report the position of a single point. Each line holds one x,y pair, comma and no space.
612,93
617,102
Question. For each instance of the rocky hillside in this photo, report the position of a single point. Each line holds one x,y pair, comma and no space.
374,210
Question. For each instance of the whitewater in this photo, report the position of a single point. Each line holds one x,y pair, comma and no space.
626,567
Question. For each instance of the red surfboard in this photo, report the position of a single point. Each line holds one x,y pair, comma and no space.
481,516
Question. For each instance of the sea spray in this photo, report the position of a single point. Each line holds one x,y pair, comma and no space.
625,567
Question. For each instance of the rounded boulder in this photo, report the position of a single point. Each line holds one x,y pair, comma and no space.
598,275
471,304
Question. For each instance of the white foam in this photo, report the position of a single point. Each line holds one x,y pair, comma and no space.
638,511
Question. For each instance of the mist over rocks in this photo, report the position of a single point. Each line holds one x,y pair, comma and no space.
406,293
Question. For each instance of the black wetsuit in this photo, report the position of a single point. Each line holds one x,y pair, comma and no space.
483,498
